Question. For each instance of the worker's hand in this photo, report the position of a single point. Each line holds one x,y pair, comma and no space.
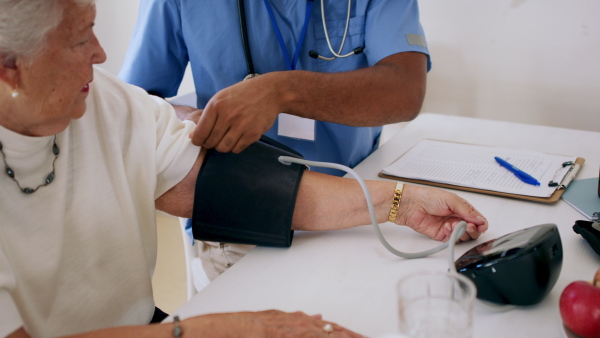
436,212
271,323
238,115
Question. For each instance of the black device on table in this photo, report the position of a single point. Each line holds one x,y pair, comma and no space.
590,230
519,268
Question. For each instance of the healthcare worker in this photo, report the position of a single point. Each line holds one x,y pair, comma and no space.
331,74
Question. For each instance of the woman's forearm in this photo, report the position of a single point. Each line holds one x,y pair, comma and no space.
330,203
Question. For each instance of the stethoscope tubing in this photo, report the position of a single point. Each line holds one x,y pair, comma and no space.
244,31
335,55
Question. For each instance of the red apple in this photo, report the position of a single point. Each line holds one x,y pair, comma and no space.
580,307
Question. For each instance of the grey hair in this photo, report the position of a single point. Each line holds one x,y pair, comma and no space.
24,25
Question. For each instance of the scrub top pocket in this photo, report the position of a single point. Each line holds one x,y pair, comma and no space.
354,38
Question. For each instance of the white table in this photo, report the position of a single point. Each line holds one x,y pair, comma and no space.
350,278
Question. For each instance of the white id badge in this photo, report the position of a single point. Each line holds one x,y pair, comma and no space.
296,127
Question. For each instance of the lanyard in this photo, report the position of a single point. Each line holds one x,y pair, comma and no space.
290,64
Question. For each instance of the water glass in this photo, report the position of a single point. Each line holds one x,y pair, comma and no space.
436,304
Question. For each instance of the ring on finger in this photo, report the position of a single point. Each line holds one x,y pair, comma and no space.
328,328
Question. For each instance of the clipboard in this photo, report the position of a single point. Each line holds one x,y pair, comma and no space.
573,169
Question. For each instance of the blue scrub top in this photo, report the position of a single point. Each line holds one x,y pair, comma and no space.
206,33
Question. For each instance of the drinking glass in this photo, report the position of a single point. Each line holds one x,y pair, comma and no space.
436,304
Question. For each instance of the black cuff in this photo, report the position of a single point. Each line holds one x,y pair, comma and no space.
247,198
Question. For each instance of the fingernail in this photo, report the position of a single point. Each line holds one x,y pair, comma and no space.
481,218
448,226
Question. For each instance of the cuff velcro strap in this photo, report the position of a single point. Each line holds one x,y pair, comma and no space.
247,198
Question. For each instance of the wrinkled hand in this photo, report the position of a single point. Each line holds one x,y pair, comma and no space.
238,115
271,323
436,212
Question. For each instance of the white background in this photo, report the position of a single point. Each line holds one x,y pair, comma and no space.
530,61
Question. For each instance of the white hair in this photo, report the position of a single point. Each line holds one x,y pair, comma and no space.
24,24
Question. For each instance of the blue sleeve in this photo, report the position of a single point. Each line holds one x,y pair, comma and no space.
157,54
393,26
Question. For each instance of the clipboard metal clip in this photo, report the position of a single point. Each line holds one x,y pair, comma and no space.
567,178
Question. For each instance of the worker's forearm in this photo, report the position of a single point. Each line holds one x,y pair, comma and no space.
389,92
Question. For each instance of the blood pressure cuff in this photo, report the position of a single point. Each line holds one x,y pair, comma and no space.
247,198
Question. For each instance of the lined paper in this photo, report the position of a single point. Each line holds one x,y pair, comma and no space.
474,166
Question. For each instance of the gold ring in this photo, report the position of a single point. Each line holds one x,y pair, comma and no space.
328,328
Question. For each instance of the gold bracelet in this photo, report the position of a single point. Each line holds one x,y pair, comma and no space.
396,202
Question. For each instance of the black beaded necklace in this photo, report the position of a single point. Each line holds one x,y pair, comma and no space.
49,178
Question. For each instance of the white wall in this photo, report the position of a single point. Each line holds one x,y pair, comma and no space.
115,21
531,61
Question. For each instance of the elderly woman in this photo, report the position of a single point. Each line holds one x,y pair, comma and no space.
88,159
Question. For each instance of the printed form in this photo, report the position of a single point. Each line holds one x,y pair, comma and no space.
474,166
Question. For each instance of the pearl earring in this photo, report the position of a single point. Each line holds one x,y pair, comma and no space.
15,94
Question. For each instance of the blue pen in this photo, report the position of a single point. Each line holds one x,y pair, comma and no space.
523,176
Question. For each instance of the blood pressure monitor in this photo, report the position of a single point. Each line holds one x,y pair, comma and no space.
519,268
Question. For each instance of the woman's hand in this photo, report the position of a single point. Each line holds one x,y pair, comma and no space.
435,213
271,323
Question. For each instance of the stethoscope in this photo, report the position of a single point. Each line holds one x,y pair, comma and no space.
291,63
